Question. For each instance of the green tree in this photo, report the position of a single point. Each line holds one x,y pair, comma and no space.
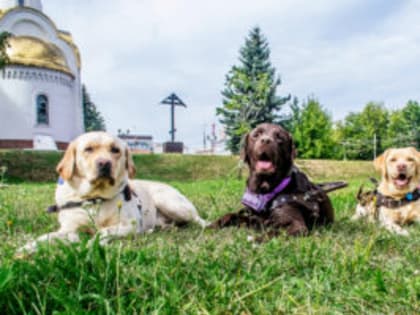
93,119
404,126
361,132
249,96
312,130
4,59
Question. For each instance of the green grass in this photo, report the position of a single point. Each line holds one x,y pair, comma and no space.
348,268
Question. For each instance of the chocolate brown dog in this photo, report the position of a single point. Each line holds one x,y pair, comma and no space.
278,196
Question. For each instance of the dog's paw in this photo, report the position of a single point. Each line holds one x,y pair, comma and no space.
402,232
250,238
102,241
20,255
25,251
355,217
396,229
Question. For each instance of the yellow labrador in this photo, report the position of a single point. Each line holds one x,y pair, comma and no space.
397,200
95,194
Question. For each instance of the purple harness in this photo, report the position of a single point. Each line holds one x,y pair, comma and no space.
258,202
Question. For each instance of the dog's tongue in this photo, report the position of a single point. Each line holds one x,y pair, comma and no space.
401,182
264,166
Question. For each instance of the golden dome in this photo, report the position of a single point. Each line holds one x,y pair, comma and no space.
34,52
69,40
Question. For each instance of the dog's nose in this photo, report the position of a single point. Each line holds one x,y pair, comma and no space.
401,167
265,140
104,167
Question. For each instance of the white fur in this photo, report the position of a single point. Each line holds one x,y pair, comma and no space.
161,204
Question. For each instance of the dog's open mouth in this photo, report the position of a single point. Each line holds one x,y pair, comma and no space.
264,164
401,181
102,181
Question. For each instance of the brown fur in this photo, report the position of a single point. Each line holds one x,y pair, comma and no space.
269,142
67,165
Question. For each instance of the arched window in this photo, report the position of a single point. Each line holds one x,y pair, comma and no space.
42,110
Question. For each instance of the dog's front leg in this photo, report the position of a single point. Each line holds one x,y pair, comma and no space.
109,233
61,234
393,227
360,212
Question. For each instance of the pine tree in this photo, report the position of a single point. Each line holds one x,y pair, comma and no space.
93,119
3,46
249,97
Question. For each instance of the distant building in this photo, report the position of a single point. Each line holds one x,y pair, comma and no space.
157,147
138,143
40,89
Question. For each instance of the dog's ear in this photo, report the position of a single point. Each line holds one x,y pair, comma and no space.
129,163
293,151
244,150
67,165
379,163
416,155
418,160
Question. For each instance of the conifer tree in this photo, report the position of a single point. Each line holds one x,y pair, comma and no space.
249,97
93,119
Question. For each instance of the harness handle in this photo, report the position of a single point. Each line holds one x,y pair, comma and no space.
331,186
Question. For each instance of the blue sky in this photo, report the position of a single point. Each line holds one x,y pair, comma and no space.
136,52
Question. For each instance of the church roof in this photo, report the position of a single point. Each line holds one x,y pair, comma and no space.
32,51
63,35
66,36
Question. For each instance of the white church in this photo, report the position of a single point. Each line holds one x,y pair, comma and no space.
40,88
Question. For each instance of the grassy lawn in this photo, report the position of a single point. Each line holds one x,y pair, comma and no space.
348,268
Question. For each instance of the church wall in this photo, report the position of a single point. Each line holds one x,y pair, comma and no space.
19,88
20,85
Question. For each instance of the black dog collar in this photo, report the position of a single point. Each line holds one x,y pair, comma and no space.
127,192
392,203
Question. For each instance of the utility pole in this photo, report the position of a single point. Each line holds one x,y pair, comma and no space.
345,151
374,146
204,139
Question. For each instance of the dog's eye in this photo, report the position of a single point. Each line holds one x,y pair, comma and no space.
410,159
393,160
89,149
115,150
279,138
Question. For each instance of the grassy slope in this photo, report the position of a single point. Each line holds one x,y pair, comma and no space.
39,166
349,268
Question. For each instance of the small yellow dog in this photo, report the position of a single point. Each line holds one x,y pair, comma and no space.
396,201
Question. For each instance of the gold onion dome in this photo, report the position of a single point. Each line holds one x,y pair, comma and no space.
34,52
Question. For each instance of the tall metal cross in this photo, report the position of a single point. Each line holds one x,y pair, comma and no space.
173,100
